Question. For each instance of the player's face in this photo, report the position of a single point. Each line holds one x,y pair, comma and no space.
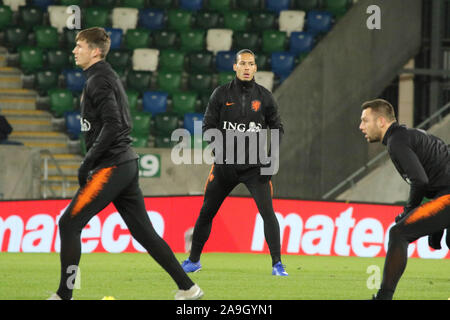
369,126
84,55
245,67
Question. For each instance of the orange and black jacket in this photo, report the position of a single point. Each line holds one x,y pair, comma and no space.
105,118
422,160
242,107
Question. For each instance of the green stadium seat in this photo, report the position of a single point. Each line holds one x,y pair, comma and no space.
235,20
30,17
57,59
225,77
119,59
6,17
250,5
273,40
171,60
139,141
200,61
169,81
31,59
68,37
263,20
262,61
137,38
96,17
192,40
184,102
165,123
337,8
179,20
164,39
219,5
46,37
138,80
133,97
307,5
164,142
61,100
202,102
162,4
104,3
200,82
141,124
72,62
66,3
248,40
138,4
15,37
46,80
207,20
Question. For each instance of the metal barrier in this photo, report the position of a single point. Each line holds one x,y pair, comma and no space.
46,155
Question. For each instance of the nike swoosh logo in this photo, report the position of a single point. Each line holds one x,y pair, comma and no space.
229,103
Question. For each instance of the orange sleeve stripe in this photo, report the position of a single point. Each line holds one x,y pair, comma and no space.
429,209
92,189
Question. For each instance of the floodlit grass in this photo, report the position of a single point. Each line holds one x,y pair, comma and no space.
135,276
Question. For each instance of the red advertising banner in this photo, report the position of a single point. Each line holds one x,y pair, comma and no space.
307,227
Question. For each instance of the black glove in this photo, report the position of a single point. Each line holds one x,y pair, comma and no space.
83,173
434,240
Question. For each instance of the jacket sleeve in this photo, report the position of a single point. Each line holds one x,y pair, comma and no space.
407,162
212,113
104,99
273,119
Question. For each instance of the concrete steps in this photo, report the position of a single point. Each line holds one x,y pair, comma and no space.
38,129
68,164
14,101
21,124
10,80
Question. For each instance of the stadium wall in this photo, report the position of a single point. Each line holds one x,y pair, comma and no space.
19,172
307,227
320,101
168,178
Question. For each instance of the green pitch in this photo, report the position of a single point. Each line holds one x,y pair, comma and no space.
223,277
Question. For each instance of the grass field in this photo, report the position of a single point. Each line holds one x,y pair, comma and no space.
224,277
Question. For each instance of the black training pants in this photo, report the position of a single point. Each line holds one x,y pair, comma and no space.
429,218
221,181
119,185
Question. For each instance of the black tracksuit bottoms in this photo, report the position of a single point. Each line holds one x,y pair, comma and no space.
221,181
430,218
120,185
